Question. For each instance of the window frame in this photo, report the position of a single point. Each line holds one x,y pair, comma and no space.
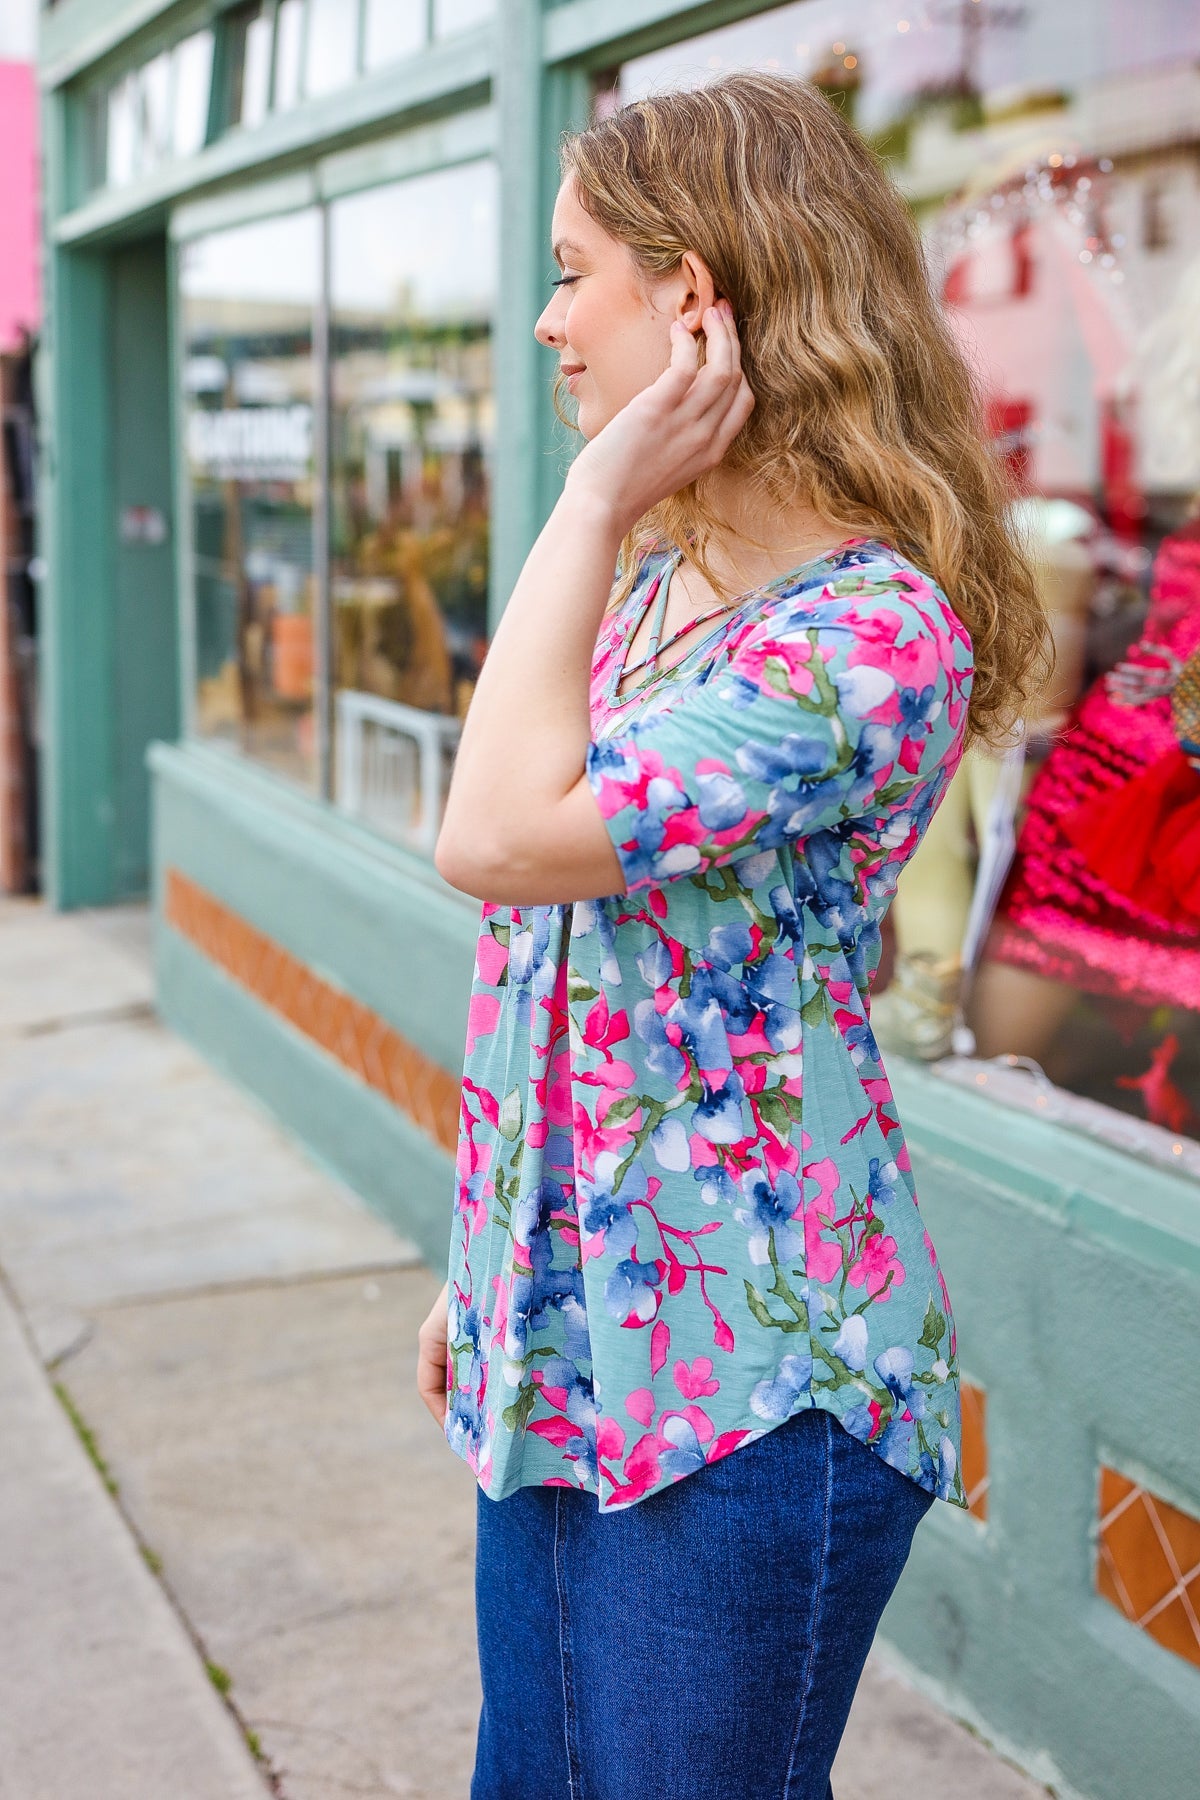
463,138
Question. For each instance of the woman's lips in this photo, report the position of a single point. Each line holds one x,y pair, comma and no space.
572,375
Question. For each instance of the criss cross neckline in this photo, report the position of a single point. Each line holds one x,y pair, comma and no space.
658,591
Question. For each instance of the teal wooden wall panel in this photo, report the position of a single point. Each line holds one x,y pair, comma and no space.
372,920
1078,1340
145,664
76,618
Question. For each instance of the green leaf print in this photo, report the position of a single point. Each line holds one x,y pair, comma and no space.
510,1115
621,1110
775,1112
934,1329
760,1311
516,1416
815,1008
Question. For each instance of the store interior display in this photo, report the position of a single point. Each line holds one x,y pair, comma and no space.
248,303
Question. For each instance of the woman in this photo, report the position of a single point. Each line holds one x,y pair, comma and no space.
699,1352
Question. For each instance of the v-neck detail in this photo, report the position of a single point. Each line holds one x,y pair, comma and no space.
615,700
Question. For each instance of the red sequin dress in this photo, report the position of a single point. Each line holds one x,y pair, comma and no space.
1057,916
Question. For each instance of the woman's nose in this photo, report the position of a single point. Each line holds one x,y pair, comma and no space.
546,333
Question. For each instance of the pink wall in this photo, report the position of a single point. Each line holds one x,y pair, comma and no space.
20,298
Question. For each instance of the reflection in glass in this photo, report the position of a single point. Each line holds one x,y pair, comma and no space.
1051,161
193,58
158,111
255,69
289,44
331,57
414,274
121,151
248,297
450,16
394,28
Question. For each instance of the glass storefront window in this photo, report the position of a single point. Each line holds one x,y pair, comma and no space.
248,298
331,53
393,28
414,282
1052,156
156,112
250,33
450,16
289,48
193,60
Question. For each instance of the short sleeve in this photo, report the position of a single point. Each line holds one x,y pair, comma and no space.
829,710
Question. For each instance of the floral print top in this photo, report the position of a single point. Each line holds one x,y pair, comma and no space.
685,1210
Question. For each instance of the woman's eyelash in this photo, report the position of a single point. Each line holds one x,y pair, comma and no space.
564,281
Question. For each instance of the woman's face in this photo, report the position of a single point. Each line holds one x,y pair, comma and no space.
610,328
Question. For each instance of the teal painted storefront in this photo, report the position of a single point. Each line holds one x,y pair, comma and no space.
1074,1266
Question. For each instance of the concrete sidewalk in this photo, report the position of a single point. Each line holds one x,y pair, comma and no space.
276,1598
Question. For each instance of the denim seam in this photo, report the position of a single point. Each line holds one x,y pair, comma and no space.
570,1722
818,1593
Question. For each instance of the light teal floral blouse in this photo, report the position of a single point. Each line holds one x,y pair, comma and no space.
685,1210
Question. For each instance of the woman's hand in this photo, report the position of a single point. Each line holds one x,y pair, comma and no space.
673,431
431,1357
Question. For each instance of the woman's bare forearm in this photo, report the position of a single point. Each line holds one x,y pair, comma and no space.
525,739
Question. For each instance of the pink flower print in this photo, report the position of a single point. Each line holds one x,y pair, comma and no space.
491,958
483,1016
874,633
640,1406
612,1074
722,1335
727,1443
641,1471
610,1440
771,657
557,1431
876,1260
698,1381
602,1028
500,1309
827,1176
823,1259
753,1042
660,1344
699,1421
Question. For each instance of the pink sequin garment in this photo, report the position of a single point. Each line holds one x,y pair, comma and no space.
1056,917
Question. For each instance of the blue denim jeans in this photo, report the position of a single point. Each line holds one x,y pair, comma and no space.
704,1644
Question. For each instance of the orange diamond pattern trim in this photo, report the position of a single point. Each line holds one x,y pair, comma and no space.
1148,1565
974,1450
343,1027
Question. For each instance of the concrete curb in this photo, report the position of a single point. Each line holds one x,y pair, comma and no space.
130,1713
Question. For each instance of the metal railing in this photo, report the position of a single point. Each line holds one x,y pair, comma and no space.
392,765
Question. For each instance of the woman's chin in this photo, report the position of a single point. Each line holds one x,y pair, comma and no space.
589,419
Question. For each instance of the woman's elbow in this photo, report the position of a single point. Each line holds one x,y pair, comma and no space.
469,864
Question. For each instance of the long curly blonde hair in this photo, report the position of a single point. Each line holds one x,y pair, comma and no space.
864,404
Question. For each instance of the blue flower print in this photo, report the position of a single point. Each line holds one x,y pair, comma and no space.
850,1344
776,1398
717,1115
722,801
881,1181
685,1455
632,1290
662,1057
770,1211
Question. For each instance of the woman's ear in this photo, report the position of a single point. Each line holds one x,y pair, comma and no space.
697,291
